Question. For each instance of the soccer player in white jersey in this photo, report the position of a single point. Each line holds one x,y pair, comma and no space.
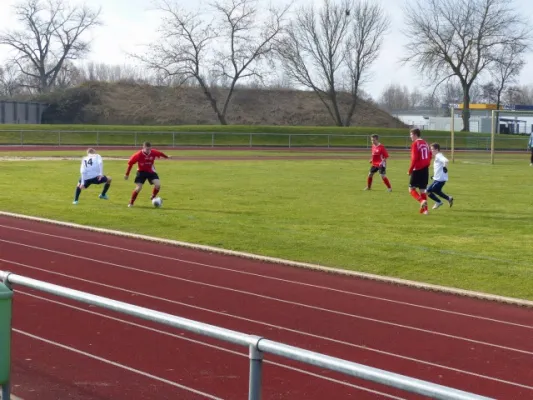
440,177
92,173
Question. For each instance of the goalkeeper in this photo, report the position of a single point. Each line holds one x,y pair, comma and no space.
440,177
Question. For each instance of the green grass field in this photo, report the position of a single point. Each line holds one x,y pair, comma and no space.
191,153
314,211
241,135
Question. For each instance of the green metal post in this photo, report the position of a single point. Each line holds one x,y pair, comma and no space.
6,299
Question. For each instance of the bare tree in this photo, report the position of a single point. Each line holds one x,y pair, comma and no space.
505,69
331,50
217,52
395,97
102,72
519,94
430,100
51,34
10,81
461,38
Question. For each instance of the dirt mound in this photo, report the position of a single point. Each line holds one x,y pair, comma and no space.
138,104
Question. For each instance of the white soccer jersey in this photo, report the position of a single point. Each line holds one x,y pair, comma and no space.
92,166
438,168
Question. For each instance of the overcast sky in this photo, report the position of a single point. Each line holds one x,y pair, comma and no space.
130,23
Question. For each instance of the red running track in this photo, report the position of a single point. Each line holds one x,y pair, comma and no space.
67,350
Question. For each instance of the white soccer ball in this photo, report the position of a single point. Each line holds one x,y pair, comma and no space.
157,202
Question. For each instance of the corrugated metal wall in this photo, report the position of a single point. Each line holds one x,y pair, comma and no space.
21,112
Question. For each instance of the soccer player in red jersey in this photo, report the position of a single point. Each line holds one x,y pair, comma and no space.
419,169
379,163
145,159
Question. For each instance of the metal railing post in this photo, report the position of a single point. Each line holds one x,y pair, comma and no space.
256,371
6,305
6,391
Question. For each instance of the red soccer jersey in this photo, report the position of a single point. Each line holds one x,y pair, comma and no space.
379,155
144,161
420,155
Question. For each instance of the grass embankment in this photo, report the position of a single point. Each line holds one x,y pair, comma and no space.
240,135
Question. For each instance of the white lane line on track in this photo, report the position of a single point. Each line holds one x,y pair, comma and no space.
256,322
211,266
344,314
199,342
224,314
115,364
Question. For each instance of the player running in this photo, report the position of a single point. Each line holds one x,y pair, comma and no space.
440,177
419,169
379,163
144,159
92,173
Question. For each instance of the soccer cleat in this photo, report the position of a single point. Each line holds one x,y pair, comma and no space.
130,205
437,205
389,190
103,197
75,202
426,212
367,188
451,201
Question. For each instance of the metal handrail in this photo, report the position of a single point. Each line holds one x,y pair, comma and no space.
257,345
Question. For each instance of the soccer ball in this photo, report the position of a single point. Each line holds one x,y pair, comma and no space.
157,202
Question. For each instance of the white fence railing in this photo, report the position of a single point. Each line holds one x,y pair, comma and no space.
257,345
241,139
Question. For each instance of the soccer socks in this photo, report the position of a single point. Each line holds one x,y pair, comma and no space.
415,194
133,196
155,191
369,180
106,188
77,194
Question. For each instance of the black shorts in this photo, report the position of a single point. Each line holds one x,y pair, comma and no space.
93,181
142,177
419,178
374,169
